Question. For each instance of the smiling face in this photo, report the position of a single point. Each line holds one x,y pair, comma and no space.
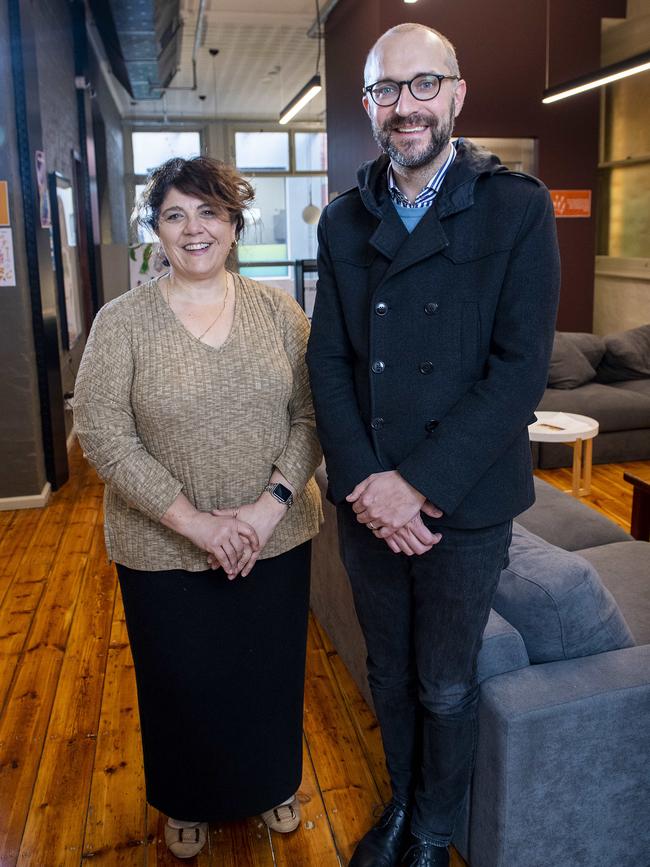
195,236
412,132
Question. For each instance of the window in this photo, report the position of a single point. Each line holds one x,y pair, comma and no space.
277,229
287,171
262,151
265,237
311,151
150,149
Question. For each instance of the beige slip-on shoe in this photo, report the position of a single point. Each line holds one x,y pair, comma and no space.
186,842
283,818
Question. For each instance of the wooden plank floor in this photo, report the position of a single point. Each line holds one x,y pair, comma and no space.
71,781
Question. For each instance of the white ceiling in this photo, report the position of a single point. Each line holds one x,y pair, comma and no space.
265,57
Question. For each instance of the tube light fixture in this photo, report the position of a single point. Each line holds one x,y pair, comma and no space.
631,66
300,100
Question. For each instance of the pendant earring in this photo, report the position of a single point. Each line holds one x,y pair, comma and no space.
160,259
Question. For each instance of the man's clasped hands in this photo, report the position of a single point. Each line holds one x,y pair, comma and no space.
390,507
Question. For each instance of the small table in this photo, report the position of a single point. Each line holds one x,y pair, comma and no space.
640,523
571,429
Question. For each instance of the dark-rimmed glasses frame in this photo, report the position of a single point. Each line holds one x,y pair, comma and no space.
431,76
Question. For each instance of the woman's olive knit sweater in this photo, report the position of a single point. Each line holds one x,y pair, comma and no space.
158,412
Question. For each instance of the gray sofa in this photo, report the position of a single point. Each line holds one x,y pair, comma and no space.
606,378
563,760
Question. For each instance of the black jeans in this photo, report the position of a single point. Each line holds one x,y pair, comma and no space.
423,619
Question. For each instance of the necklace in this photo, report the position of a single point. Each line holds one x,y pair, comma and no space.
216,318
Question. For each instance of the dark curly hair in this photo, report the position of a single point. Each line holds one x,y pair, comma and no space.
209,179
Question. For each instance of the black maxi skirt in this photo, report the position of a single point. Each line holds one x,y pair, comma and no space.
220,670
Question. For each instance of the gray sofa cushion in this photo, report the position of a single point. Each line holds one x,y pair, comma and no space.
640,386
557,602
566,522
625,570
569,367
503,648
615,408
592,346
627,355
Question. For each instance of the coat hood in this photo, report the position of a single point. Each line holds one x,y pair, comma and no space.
471,163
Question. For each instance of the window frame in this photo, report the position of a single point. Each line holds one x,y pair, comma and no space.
250,126
604,175
246,126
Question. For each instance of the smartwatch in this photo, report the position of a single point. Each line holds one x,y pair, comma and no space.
281,493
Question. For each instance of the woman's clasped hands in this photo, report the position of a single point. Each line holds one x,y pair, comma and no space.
260,517
228,541
232,538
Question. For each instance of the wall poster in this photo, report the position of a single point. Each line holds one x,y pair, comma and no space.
4,204
7,268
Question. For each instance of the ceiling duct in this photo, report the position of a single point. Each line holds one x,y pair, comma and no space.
142,39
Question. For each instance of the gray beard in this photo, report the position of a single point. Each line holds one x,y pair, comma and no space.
440,136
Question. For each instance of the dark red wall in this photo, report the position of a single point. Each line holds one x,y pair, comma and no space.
501,48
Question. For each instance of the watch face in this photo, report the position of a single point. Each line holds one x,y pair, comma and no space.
282,492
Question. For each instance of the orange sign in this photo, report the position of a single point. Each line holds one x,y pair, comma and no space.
571,203
4,204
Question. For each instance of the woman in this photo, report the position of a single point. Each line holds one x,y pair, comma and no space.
192,402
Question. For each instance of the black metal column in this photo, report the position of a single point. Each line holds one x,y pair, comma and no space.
37,243
89,219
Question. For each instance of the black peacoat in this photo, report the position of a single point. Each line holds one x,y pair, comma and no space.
430,351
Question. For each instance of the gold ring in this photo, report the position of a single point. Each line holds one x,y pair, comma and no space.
371,525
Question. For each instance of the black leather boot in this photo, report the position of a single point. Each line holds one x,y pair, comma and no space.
383,845
421,854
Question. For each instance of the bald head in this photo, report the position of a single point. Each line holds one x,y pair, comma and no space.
437,40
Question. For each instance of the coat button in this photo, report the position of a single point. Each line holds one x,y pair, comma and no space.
431,425
377,423
426,366
381,308
430,307
378,367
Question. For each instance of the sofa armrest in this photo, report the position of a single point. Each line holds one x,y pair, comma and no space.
566,522
502,650
562,763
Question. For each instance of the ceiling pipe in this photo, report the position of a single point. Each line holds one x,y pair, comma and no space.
325,12
200,15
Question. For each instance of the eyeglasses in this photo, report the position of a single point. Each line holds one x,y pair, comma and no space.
422,87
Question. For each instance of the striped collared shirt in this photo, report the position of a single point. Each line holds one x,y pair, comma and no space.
428,193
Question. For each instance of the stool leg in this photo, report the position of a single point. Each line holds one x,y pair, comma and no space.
577,467
587,461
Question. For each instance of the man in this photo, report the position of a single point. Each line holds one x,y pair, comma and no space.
431,336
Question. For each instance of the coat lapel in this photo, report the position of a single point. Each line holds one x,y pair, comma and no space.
392,240
427,239
391,234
